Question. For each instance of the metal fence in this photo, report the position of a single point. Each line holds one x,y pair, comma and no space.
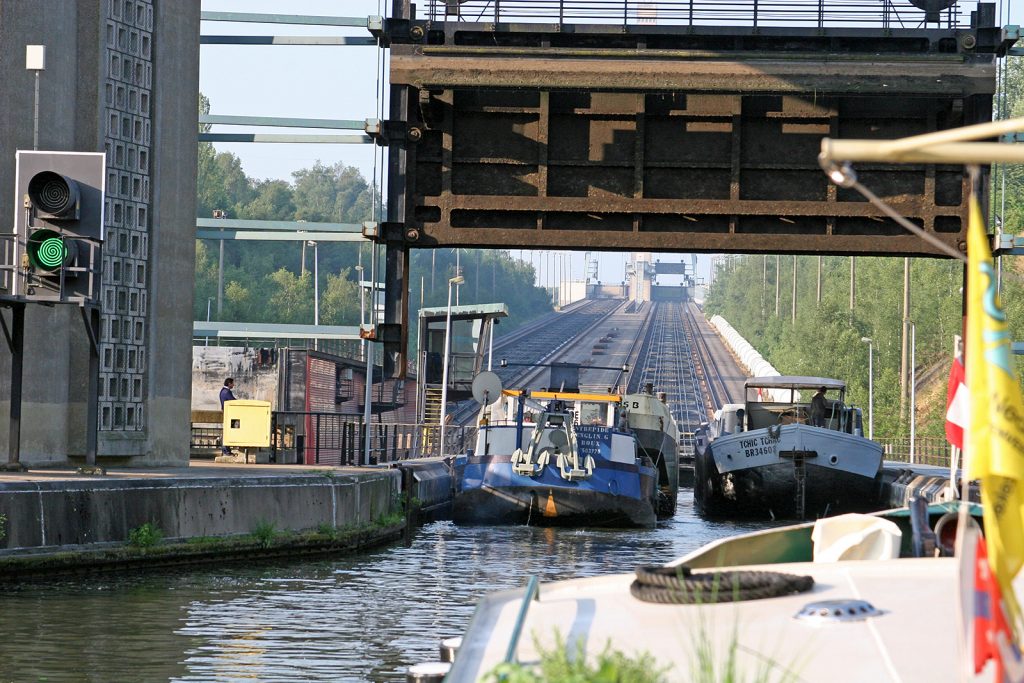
687,445
335,439
928,450
789,13
206,439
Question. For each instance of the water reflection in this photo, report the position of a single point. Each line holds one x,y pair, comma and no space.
353,619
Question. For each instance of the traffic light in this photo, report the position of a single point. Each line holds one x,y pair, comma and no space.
59,228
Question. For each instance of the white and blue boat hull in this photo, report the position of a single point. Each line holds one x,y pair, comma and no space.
788,471
616,494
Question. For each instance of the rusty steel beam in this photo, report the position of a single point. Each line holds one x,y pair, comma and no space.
442,68
667,138
694,242
681,138
910,206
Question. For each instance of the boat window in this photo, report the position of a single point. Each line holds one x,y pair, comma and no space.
593,413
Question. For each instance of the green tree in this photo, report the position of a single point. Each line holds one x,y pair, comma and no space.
222,184
273,200
267,281
290,297
331,194
339,300
239,303
826,339
205,282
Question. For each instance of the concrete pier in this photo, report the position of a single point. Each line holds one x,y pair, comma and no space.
902,481
57,519
57,508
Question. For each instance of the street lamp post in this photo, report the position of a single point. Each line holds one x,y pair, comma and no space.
456,281
316,289
209,301
362,310
220,213
913,393
871,386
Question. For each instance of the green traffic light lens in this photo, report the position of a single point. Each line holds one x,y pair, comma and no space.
52,252
49,250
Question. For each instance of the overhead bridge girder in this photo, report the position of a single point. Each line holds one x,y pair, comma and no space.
681,138
672,268
667,293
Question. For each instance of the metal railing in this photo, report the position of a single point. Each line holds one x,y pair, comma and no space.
928,450
687,445
337,439
205,439
789,13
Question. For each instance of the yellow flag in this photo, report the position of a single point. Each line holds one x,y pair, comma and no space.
995,439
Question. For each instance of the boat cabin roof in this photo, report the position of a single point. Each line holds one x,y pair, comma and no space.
794,382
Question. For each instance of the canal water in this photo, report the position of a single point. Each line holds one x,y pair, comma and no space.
360,618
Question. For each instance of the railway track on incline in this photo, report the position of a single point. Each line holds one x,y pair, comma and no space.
542,341
665,360
713,386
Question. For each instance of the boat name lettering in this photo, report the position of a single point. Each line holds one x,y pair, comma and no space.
758,446
590,439
758,441
757,451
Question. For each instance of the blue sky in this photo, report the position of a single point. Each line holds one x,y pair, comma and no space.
327,82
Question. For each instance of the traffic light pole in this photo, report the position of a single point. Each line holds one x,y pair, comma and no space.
15,337
91,318
16,342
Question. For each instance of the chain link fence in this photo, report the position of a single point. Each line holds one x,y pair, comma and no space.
928,450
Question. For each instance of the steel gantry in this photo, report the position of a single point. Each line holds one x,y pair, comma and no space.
661,126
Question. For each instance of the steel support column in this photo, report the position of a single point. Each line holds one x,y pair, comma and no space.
394,233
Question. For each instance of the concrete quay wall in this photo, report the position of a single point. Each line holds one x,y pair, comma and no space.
900,482
80,512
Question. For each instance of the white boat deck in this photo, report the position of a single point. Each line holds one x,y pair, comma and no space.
915,639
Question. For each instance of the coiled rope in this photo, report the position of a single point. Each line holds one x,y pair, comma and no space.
680,586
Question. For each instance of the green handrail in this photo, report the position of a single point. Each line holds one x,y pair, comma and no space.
532,593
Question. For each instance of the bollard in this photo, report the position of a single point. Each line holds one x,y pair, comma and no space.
427,672
449,648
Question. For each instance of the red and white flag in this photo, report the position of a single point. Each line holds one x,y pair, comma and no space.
956,405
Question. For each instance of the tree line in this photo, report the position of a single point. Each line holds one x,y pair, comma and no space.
272,282
826,337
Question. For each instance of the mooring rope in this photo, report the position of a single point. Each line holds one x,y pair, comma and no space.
680,586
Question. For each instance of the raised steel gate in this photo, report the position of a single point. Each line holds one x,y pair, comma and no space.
688,126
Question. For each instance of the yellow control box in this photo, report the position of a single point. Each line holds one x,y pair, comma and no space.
247,424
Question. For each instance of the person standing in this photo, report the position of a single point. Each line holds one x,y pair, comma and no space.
818,408
226,394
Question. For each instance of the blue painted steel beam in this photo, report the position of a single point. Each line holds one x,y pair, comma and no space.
1013,32
308,20
286,40
232,330
286,138
281,122
242,224
280,231
1008,245
275,236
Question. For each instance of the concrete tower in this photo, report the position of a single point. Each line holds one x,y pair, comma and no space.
121,77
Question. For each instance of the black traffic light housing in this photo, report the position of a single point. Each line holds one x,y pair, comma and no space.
59,229
53,197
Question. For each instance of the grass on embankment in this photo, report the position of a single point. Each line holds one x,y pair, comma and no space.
147,548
